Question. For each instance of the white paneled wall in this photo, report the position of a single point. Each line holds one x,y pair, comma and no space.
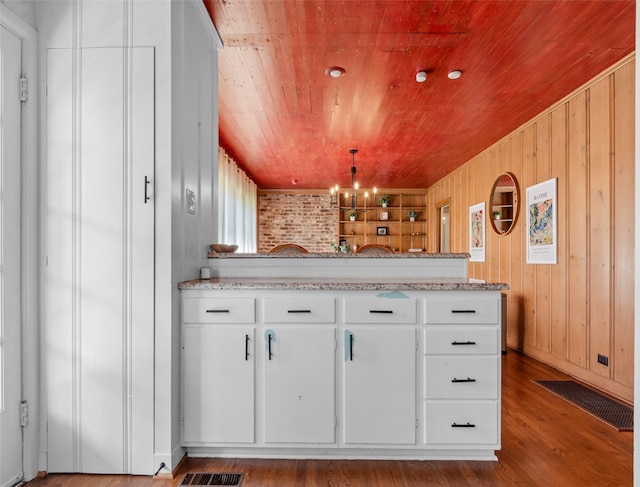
100,111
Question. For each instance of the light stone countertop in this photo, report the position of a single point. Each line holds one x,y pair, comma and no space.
339,255
342,284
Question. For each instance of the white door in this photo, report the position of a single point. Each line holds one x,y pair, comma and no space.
299,378
10,343
379,385
98,281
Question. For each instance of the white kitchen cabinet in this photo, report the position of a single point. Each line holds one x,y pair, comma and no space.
379,385
379,371
462,370
299,368
299,384
218,370
337,373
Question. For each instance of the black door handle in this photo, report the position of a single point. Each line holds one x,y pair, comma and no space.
468,425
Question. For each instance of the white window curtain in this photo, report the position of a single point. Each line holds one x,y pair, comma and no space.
237,205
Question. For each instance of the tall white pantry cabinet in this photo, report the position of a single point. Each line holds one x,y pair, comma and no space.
99,256
120,146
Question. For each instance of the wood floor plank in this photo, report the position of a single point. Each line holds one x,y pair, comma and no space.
545,442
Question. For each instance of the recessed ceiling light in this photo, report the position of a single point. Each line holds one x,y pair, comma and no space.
421,76
335,72
454,74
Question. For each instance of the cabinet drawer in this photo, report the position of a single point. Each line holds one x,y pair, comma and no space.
378,310
457,423
300,310
459,340
219,310
458,309
461,377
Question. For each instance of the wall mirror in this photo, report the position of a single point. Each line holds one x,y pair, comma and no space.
504,203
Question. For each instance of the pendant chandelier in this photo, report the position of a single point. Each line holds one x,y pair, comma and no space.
350,196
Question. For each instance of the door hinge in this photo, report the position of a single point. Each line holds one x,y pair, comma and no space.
24,414
416,423
24,89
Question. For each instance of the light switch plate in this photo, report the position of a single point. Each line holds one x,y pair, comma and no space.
191,202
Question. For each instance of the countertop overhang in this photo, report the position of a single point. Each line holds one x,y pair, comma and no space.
340,255
342,284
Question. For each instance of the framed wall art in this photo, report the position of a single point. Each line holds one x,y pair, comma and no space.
477,232
542,238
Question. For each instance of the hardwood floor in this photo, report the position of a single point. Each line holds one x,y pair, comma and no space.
545,442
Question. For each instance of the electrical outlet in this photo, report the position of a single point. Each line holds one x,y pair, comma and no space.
604,360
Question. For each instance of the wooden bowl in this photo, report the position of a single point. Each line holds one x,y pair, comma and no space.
223,248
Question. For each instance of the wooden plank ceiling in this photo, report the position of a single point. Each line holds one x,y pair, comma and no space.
290,125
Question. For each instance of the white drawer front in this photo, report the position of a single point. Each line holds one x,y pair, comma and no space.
219,310
458,309
461,423
300,310
459,340
461,377
379,310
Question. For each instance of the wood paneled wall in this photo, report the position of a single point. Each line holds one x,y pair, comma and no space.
568,313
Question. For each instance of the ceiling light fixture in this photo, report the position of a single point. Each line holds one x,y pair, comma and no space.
454,74
351,198
421,76
335,72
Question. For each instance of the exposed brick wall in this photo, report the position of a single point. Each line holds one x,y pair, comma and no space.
303,219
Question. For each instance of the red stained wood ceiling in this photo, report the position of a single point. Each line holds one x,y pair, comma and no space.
289,125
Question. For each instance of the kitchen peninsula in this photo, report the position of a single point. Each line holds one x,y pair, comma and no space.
341,356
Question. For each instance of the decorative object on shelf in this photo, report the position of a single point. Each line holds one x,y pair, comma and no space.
384,215
381,230
352,197
344,247
353,215
412,215
385,199
224,248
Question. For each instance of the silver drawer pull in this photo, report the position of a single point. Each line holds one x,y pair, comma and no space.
217,311
468,425
298,311
468,342
463,310
384,311
468,379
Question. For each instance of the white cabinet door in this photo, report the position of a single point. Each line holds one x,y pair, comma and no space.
99,245
380,384
299,390
218,377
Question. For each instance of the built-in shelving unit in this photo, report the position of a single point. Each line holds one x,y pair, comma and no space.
391,225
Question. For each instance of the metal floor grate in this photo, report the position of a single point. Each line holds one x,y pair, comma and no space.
206,478
612,412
